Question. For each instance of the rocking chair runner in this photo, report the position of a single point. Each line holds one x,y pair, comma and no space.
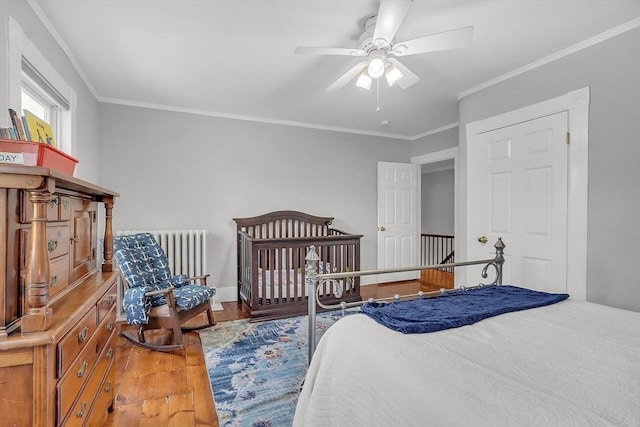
156,300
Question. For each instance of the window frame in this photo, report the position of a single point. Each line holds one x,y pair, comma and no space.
20,49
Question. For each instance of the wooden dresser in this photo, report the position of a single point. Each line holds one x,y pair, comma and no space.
57,308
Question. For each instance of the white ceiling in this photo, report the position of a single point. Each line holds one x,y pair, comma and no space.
236,57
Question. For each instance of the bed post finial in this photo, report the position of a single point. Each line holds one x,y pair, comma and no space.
311,279
499,259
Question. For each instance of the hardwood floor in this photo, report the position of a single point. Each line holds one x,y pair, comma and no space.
172,389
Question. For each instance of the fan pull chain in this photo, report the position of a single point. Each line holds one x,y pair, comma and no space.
377,95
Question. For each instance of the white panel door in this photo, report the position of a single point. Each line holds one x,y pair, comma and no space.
397,219
517,190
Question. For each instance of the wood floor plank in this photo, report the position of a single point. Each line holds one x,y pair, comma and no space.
125,415
181,410
171,377
155,412
198,381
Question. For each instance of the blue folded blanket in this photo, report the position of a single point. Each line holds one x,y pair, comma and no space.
456,308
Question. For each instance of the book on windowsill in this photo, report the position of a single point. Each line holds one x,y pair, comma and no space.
16,121
8,133
39,130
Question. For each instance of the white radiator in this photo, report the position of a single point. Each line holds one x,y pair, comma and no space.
186,250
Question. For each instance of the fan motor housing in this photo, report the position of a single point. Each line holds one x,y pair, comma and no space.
366,39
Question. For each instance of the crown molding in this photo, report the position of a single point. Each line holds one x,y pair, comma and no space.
63,45
620,29
435,131
257,119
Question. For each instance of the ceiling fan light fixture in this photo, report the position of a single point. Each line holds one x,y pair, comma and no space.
376,67
364,81
393,74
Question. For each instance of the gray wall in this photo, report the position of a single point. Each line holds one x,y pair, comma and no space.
435,142
612,70
176,170
437,201
87,106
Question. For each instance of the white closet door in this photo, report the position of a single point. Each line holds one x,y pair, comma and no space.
517,190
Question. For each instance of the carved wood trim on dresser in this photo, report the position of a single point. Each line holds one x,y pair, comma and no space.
57,308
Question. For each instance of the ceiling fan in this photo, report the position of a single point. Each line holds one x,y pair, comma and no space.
378,44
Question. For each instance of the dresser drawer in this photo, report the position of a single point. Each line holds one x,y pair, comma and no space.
53,207
77,339
64,212
103,334
57,241
104,400
107,302
100,379
77,375
58,275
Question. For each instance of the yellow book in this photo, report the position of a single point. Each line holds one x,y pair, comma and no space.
39,130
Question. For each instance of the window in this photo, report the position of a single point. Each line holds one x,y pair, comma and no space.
42,99
32,83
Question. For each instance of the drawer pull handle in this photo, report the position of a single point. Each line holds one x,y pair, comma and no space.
107,388
83,335
53,281
74,239
110,326
111,299
52,245
83,408
110,353
83,369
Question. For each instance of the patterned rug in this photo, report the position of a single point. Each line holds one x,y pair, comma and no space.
257,369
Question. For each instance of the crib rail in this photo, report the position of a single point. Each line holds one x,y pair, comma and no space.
278,266
315,282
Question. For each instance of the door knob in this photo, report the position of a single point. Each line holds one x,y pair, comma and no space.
381,228
482,239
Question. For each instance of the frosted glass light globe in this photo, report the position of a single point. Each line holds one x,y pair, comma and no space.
376,68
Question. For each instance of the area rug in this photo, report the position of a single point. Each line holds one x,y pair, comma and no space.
257,369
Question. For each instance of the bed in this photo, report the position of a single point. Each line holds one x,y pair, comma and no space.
570,363
271,250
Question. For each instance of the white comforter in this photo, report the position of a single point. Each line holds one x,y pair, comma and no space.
568,364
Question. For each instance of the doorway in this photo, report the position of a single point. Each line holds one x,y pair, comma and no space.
437,195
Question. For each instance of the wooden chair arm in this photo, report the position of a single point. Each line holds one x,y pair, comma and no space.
202,279
159,292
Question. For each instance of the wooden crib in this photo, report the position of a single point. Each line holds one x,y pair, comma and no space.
271,262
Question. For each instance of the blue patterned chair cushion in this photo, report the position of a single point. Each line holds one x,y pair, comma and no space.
145,268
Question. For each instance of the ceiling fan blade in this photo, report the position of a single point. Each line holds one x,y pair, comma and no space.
408,77
452,39
390,15
304,50
346,77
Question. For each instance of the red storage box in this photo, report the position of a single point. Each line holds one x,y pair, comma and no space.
38,154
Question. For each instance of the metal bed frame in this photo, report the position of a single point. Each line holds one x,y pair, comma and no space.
340,281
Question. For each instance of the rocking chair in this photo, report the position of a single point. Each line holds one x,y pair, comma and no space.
157,302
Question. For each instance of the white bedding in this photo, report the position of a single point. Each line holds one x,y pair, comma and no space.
568,364
279,280
296,282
